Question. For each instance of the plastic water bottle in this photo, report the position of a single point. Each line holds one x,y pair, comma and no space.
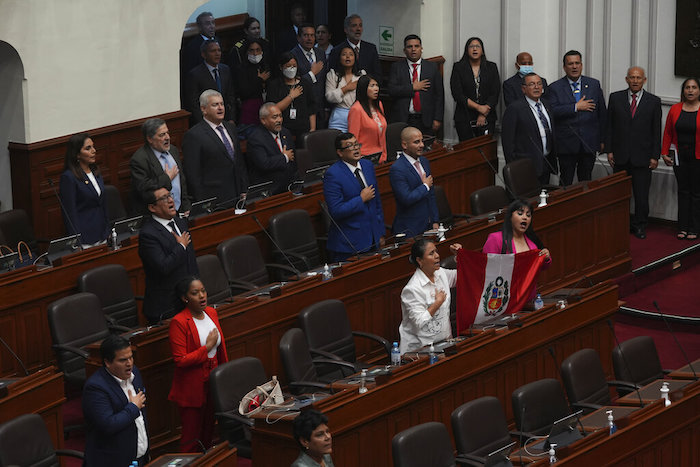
363,378
612,428
113,237
539,303
395,354
664,394
441,232
327,274
552,454
543,198
433,355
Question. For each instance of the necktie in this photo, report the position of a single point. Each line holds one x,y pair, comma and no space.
175,183
577,91
217,78
418,167
633,105
357,51
545,125
310,56
171,224
416,95
359,178
229,148
279,143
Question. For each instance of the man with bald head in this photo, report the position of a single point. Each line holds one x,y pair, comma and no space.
412,184
512,89
633,141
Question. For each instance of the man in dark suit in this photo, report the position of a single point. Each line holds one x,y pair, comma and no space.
211,74
214,163
349,188
512,87
312,66
368,58
190,54
412,183
416,85
287,38
271,151
114,406
527,129
167,255
157,164
633,141
578,107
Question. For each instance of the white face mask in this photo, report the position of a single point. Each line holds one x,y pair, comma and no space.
290,72
254,58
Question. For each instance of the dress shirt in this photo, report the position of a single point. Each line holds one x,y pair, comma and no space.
313,60
175,182
417,327
141,439
93,180
639,96
543,135
166,223
204,327
411,110
211,71
218,133
413,161
353,168
278,141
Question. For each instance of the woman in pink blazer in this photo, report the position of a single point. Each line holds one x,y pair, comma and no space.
366,119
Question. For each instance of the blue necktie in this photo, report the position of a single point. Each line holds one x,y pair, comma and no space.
217,78
545,125
229,148
577,91
175,181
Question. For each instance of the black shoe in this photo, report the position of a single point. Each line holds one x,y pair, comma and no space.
639,232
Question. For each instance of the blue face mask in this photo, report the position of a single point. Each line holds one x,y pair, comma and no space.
525,69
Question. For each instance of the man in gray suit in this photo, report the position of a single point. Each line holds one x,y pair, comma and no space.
155,165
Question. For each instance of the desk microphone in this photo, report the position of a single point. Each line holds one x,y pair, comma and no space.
255,218
624,360
495,172
588,148
668,326
328,213
577,297
19,360
63,209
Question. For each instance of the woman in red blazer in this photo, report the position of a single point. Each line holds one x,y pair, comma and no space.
366,119
198,347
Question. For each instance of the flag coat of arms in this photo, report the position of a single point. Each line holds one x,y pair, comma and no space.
490,285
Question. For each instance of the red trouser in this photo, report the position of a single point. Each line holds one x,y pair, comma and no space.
197,424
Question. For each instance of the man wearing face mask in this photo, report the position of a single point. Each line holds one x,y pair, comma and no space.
512,89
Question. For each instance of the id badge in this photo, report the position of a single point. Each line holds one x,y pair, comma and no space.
293,113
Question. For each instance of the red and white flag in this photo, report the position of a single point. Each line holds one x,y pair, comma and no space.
490,285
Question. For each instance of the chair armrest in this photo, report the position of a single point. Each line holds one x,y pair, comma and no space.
308,384
281,267
241,286
622,384
524,435
69,348
587,408
325,354
235,416
666,371
468,459
299,256
341,363
118,327
376,338
70,453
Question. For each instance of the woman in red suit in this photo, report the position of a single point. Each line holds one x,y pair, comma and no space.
366,119
198,347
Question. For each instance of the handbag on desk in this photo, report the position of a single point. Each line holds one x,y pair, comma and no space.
267,396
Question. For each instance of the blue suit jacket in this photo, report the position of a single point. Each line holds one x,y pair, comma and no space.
111,431
362,223
416,209
86,209
589,126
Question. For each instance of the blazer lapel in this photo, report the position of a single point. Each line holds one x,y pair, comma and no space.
212,134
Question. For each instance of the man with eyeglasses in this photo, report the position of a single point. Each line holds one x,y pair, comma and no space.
527,130
350,190
167,254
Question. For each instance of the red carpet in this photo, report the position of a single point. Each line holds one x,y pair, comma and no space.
661,241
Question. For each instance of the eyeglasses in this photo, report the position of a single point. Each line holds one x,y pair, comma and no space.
169,196
352,146
475,46
537,84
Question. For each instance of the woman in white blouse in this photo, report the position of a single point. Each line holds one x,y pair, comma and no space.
341,83
425,301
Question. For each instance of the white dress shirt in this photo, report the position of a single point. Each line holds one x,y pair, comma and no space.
142,437
543,135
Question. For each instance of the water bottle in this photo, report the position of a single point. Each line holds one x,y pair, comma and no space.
552,454
539,303
433,355
441,232
395,354
543,198
363,377
612,428
113,237
664,394
327,274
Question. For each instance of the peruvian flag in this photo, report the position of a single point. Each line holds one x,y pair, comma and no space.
490,285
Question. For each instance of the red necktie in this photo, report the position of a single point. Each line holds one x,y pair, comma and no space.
416,96
633,105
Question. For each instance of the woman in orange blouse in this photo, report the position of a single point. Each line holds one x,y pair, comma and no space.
366,119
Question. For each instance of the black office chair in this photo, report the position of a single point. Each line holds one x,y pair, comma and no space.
585,382
488,199
300,367
445,214
521,178
393,139
479,428
228,384
112,286
115,205
321,146
16,228
214,279
328,333
25,441
295,235
244,266
537,405
636,361
425,445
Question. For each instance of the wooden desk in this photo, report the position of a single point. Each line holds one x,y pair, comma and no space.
24,298
652,392
494,363
686,372
41,393
220,456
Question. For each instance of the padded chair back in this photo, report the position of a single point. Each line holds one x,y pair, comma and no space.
112,286
443,205
636,361
321,146
296,358
76,320
115,205
488,199
213,278
242,260
521,178
25,441
537,405
393,139
293,232
327,327
584,379
425,445
16,227
480,427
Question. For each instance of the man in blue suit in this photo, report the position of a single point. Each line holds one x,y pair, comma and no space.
578,107
412,183
349,187
114,401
